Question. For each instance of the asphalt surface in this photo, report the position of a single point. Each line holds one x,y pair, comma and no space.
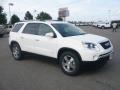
42,73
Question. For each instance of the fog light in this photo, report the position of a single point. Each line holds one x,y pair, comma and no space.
95,57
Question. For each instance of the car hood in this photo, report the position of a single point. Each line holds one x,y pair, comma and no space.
89,38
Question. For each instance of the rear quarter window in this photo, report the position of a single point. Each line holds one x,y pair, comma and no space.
17,27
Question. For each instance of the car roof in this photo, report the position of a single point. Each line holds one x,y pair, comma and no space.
46,22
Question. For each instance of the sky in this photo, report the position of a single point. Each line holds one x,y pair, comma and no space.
80,10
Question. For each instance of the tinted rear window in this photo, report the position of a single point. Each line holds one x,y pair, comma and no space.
17,27
32,28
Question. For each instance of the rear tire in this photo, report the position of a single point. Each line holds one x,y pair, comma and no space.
16,51
70,63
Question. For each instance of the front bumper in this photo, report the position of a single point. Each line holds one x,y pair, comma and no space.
95,56
95,64
109,55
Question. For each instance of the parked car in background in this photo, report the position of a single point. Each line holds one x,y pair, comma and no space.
2,31
70,45
104,25
94,24
8,28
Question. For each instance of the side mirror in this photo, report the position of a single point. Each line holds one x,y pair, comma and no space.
51,34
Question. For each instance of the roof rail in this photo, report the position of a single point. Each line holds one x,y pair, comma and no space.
28,20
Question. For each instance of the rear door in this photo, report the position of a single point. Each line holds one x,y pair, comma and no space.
28,37
14,33
33,39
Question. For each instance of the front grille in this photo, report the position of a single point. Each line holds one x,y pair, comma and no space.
106,44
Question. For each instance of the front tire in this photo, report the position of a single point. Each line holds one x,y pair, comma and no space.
70,63
16,51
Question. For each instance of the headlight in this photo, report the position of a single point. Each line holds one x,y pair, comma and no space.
91,46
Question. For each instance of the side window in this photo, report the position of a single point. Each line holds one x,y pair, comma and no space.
43,29
17,27
32,28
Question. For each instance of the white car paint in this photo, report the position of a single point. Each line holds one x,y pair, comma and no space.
48,46
104,25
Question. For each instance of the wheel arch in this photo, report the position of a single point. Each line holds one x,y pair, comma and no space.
103,26
61,50
13,42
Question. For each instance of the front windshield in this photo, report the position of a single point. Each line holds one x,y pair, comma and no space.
67,30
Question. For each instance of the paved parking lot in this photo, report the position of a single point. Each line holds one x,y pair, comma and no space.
42,73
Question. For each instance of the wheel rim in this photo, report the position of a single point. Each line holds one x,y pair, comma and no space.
16,52
68,63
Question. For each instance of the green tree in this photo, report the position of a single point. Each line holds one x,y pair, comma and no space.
28,16
43,16
1,9
14,19
3,19
60,19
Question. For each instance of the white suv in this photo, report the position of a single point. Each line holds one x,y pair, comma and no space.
104,25
61,40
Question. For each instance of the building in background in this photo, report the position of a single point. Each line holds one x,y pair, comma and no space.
63,13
